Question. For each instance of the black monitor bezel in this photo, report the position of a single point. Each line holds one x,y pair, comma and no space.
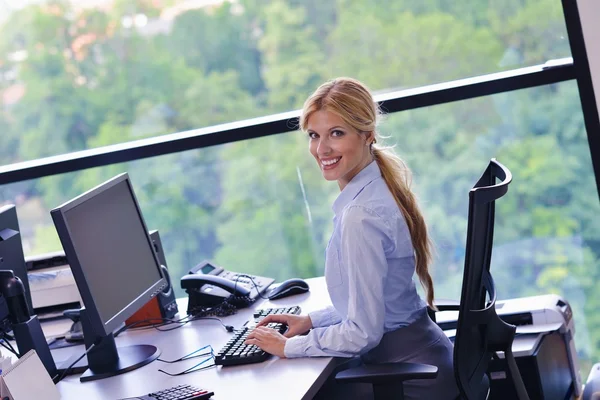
58,216
9,220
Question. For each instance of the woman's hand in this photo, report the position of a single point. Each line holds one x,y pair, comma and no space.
297,324
268,339
272,341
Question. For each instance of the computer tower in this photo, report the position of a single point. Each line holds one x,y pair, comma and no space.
164,305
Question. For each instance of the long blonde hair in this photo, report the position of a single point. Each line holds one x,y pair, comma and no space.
352,101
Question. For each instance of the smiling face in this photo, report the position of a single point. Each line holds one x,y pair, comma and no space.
340,150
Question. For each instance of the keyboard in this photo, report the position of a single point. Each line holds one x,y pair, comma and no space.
181,392
263,312
235,352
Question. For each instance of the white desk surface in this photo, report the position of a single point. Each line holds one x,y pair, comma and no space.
275,378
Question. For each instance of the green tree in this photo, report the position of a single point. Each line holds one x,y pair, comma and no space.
409,50
261,206
292,63
219,41
272,220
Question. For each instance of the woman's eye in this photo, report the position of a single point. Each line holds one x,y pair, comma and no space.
312,135
337,133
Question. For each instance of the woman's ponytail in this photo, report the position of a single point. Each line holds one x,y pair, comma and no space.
397,176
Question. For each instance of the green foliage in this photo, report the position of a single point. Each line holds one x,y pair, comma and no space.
86,78
410,50
270,205
207,41
292,63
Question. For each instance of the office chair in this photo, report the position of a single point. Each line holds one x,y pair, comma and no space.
480,332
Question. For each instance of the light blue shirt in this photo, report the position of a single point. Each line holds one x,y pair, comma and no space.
369,270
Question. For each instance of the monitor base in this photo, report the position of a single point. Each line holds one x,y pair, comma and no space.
130,358
79,368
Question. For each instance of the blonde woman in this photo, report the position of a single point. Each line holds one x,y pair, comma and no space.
379,242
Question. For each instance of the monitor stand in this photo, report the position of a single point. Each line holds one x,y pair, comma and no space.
106,359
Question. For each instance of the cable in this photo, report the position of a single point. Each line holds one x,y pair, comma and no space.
12,350
152,325
223,309
7,343
75,362
163,322
193,354
227,306
194,368
182,323
228,328
253,282
167,322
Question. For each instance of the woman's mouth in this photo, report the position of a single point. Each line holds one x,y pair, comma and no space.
329,163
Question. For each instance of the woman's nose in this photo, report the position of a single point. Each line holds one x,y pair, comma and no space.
323,148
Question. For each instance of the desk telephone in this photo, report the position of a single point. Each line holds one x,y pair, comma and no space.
209,285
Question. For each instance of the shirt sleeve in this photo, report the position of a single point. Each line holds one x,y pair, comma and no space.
364,239
325,317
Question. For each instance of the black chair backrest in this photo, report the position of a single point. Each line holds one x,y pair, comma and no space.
476,320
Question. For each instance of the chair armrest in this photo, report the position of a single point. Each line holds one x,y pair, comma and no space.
387,373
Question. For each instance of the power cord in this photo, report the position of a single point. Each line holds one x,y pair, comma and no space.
228,328
223,309
75,362
6,344
166,322
153,325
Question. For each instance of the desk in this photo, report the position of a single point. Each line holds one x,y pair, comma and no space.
301,378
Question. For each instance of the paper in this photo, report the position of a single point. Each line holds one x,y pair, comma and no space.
27,379
5,362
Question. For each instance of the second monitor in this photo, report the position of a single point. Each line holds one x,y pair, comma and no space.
115,267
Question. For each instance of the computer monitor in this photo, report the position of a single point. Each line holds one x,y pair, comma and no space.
11,248
112,258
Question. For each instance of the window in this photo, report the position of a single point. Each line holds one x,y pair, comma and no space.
74,77
546,234
261,206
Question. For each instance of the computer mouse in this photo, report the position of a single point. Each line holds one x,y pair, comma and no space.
288,288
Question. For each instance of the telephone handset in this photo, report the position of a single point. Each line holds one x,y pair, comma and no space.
209,285
197,281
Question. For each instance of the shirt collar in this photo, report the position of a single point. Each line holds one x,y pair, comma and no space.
367,175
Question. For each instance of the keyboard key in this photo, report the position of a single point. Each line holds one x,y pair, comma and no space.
235,352
181,392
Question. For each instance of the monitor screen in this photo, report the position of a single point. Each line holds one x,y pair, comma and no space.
108,248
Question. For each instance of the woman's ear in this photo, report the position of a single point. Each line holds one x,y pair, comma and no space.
371,138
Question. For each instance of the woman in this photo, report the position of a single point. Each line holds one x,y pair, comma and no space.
379,241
